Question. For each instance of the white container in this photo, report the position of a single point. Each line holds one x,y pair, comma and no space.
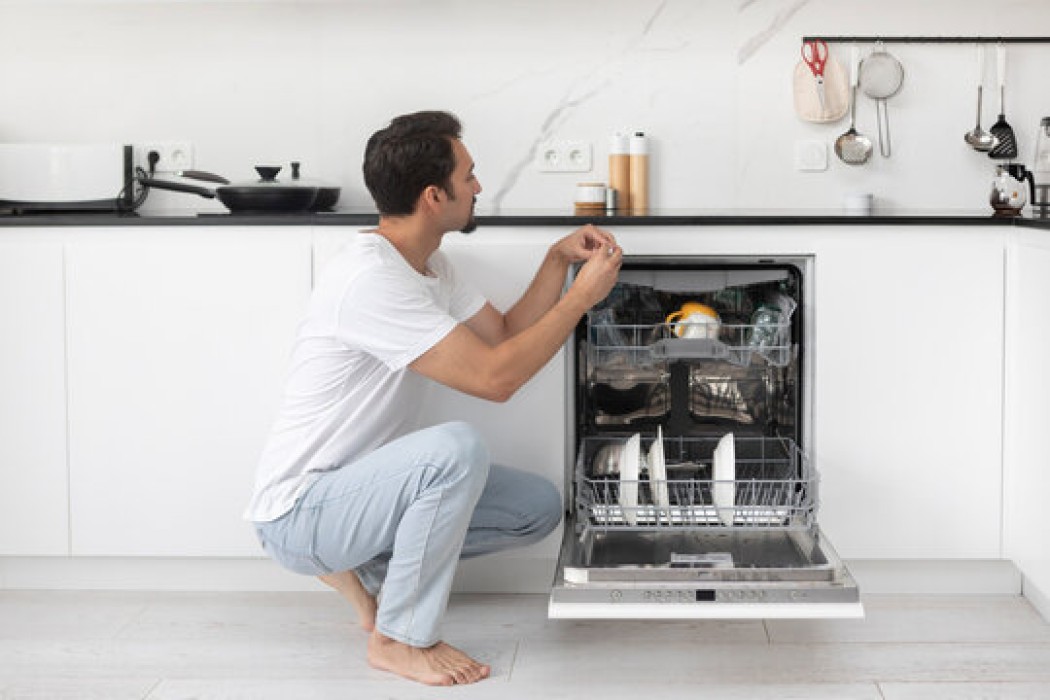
63,176
639,159
859,203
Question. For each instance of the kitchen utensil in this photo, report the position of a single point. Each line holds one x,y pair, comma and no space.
629,470
265,195
853,148
723,492
881,77
606,461
835,88
979,139
1006,148
1008,191
815,55
658,471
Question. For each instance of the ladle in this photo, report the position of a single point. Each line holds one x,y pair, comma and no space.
979,139
851,147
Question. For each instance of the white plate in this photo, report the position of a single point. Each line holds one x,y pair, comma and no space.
629,463
724,489
658,471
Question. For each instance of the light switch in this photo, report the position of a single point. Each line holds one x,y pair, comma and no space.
811,156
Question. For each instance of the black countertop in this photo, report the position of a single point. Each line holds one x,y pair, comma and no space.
543,217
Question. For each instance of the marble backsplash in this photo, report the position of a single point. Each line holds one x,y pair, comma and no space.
708,80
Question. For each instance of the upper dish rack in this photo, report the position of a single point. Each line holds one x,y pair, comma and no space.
616,347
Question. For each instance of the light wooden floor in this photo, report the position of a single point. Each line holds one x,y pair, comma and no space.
304,646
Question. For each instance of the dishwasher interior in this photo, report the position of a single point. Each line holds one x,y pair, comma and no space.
690,492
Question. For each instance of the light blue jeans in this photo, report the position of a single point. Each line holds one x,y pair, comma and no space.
402,516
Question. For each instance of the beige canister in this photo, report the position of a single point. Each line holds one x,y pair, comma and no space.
620,170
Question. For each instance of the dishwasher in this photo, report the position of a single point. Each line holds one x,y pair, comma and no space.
689,489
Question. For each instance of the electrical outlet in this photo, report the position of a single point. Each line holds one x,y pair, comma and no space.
174,156
564,157
811,156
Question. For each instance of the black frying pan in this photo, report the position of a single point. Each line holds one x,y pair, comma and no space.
327,194
266,195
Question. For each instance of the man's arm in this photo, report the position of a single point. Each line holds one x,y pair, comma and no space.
469,362
544,290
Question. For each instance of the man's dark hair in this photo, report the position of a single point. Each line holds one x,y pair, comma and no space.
408,156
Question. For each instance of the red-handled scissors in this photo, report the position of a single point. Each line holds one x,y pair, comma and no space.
815,54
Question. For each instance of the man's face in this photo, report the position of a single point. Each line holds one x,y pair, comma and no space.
464,190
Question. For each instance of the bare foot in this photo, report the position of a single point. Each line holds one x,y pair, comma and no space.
347,583
440,664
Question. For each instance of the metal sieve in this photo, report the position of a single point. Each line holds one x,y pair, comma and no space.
881,77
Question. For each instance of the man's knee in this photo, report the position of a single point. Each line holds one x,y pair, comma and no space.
548,509
467,455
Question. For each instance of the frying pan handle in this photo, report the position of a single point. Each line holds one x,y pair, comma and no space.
176,187
204,175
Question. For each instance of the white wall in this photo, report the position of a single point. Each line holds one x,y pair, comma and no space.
709,80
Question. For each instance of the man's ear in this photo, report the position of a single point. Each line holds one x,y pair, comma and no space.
432,195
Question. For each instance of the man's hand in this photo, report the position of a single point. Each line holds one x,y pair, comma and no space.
582,243
598,275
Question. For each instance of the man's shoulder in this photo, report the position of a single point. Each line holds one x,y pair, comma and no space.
360,256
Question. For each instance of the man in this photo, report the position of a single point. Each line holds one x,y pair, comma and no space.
344,491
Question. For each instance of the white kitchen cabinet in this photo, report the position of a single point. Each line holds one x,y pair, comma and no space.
178,344
34,506
528,431
1026,478
908,354
909,357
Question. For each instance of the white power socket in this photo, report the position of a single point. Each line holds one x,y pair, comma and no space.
174,156
564,157
811,156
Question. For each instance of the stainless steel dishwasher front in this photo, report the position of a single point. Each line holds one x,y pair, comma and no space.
689,490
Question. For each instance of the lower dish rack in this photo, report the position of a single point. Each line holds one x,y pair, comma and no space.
773,486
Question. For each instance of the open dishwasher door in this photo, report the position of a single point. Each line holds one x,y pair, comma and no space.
690,494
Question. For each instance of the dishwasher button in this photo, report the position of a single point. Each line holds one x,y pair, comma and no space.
615,596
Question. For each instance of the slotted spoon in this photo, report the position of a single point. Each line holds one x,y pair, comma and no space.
1006,146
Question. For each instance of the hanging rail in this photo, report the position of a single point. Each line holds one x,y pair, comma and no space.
930,39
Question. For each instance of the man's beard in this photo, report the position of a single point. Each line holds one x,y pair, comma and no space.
472,223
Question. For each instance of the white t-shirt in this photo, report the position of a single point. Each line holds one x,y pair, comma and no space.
349,389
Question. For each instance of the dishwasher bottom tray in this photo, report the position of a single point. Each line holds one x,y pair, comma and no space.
678,574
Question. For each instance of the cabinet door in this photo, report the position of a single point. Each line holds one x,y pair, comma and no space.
34,508
908,358
178,345
1026,465
527,432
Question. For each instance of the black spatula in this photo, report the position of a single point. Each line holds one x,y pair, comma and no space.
1006,147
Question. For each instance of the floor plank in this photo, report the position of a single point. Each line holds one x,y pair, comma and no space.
223,646
965,691
900,619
